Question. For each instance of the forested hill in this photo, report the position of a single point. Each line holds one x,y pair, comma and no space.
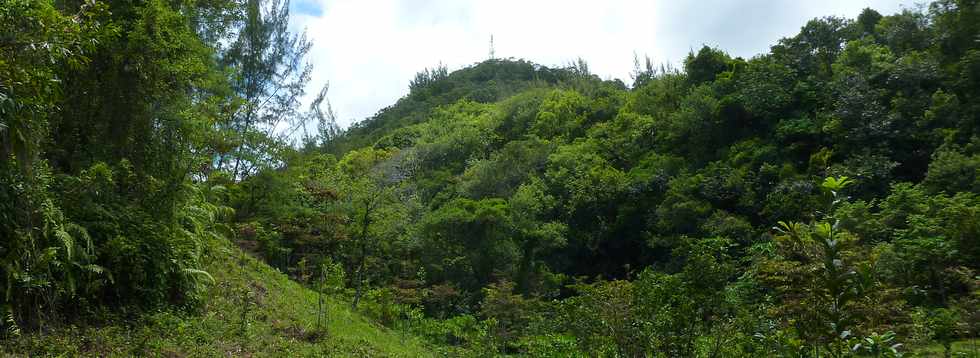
487,82
819,199
799,201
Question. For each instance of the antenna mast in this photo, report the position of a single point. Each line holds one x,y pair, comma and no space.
493,56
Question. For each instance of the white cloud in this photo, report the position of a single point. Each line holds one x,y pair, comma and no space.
369,49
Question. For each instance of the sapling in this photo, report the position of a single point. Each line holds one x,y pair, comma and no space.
330,281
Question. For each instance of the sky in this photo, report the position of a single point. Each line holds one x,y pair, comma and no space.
369,50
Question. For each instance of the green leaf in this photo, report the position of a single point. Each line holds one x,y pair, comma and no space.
836,184
196,272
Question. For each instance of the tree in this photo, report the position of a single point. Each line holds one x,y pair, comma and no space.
822,281
326,119
468,243
705,65
270,77
530,208
90,188
368,184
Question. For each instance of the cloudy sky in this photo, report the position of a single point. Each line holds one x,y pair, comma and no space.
369,50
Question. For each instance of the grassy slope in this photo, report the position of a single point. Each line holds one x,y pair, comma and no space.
281,316
967,348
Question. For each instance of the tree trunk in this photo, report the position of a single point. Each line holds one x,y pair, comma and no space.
238,161
362,256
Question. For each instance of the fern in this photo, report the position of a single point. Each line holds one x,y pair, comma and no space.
199,273
67,243
9,324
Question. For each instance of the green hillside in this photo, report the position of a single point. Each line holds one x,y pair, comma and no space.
280,322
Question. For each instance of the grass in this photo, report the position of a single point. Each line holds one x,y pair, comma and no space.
281,319
967,348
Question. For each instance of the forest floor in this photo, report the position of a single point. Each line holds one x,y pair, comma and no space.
281,322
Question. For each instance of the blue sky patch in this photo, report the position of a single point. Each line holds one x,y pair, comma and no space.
307,7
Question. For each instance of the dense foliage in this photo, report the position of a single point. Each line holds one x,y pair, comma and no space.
115,116
821,199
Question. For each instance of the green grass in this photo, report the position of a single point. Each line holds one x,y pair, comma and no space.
967,348
281,323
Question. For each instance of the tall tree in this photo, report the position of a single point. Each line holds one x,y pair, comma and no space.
270,77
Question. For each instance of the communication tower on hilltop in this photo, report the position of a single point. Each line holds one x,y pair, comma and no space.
493,56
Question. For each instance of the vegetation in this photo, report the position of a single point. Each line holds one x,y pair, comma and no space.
821,199
281,321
